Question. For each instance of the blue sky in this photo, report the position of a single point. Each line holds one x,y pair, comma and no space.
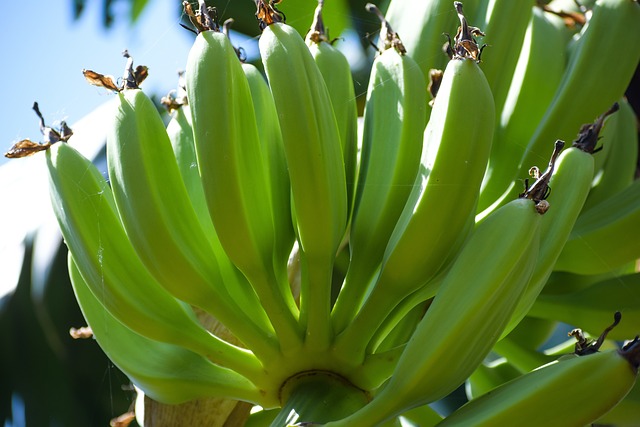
44,51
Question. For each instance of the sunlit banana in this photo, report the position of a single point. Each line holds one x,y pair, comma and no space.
316,168
505,25
533,84
89,221
180,132
336,72
166,372
479,291
394,121
441,207
574,391
234,176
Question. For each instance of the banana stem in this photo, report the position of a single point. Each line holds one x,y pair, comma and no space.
315,302
317,397
282,319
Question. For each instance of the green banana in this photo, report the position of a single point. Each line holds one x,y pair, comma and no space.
86,212
180,132
605,237
533,333
570,184
536,77
166,372
441,207
488,376
589,87
316,168
232,169
336,71
621,136
626,413
574,391
505,24
271,140
444,350
394,121
591,307
423,24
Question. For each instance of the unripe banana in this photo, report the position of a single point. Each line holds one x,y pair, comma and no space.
166,372
591,307
488,376
626,413
479,291
588,86
505,25
180,133
336,71
422,25
620,136
89,221
316,167
533,84
271,141
570,184
571,392
441,207
234,178
606,236
394,121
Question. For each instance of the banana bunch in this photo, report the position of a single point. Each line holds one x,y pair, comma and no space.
261,248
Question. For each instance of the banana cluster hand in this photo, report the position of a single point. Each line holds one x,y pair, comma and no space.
350,283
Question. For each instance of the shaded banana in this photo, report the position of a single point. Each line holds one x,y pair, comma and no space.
620,136
592,306
606,236
488,376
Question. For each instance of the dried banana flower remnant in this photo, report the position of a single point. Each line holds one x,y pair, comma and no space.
26,147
